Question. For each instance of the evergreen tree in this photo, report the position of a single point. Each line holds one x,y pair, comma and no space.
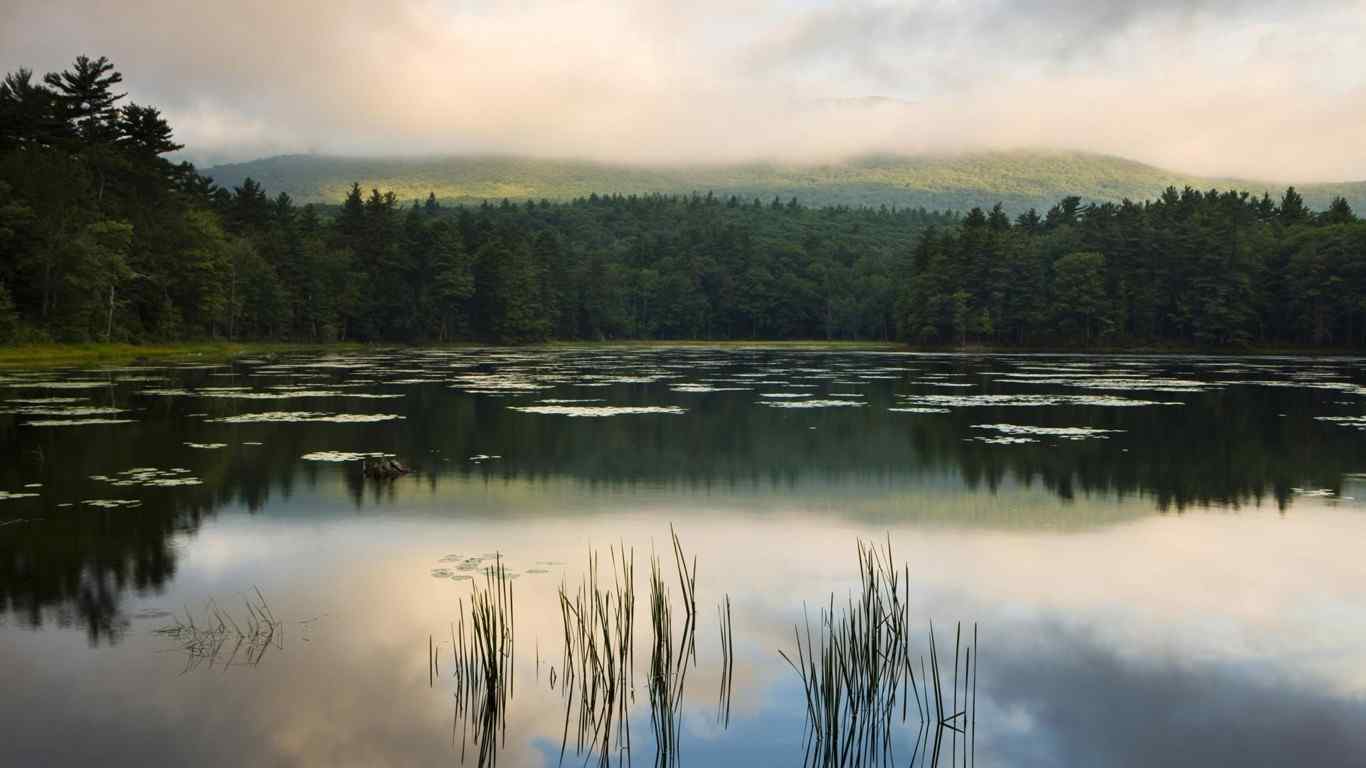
1293,210
30,113
452,281
1080,295
87,98
142,130
1339,212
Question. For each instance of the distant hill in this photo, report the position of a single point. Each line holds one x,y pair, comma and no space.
1018,179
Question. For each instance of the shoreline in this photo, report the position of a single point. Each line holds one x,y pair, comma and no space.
36,355
25,355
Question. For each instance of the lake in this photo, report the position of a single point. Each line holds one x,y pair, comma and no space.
1160,557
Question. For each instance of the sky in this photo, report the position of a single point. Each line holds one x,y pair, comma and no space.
1264,89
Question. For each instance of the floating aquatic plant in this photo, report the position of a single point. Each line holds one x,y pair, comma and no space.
1064,433
151,477
66,410
1314,493
1025,401
75,422
569,400
1109,382
111,503
7,495
45,400
306,416
1357,422
279,394
341,456
598,411
704,388
1004,440
814,404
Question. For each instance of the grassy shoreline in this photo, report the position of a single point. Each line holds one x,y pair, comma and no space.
101,353
25,355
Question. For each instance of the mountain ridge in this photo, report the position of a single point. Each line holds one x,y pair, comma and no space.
1019,179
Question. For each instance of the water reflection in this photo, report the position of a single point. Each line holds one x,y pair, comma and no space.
1068,699
1071,549
358,692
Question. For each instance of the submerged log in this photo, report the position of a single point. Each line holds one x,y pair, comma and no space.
384,469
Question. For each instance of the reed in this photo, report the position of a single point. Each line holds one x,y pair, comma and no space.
217,634
727,662
483,641
859,681
598,669
669,667
598,666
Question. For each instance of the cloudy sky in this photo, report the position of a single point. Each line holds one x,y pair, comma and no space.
1261,88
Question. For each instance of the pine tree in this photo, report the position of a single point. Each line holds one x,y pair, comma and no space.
350,223
452,280
144,132
249,209
1293,210
1339,212
29,112
87,98
1081,301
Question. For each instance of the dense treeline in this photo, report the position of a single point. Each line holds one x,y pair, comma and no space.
103,238
1213,268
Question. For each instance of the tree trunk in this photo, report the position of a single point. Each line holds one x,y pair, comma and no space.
109,326
47,287
232,299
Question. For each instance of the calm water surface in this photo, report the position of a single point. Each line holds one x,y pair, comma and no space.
1163,556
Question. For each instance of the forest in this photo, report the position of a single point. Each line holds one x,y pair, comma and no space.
102,238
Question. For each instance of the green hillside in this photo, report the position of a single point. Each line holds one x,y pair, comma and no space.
1018,179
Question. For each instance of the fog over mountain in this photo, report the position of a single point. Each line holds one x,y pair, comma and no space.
1254,89
1019,180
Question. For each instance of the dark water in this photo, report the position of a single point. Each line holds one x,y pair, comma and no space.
1185,587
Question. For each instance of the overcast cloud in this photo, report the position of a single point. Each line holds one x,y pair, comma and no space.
1226,87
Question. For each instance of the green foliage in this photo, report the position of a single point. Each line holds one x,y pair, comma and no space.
1080,301
509,289
1210,269
9,317
100,259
